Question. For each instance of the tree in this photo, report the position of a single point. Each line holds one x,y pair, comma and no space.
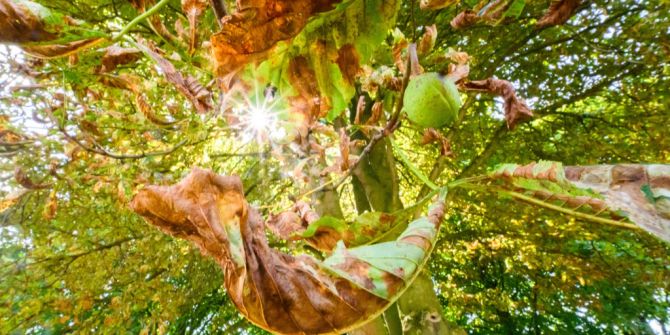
305,101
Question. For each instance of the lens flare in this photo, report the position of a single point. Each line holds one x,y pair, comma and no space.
259,117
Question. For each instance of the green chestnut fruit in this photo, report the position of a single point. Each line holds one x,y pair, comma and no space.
432,101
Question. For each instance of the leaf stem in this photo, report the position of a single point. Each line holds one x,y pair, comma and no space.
567,211
413,168
139,19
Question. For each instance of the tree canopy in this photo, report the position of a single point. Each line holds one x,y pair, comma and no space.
303,100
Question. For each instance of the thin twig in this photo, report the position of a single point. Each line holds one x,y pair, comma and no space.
139,19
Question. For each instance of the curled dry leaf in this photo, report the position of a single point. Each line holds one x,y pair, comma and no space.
193,10
464,19
377,112
22,178
285,225
116,55
290,224
516,109
124,81
47,51
458,72
23,22
309,101
50,207
344,161
257,26
558,13
148,112
431,135
349,63
427,42
188,86
18,24
282,293
638,192
360,109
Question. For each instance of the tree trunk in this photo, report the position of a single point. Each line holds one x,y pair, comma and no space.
418,311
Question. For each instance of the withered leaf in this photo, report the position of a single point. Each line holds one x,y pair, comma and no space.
349,63
431,135
360,109
124,81
257,26
188,86
47,51
285,225
558,13
148,112
116,55
309,101
516,109
634,191
50,207
458,72
276,291
464,19
427,41
377,112
22,178
21,22
18,24
193,10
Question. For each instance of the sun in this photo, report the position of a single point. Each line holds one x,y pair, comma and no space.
259,117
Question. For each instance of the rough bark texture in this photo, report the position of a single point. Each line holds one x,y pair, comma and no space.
279,292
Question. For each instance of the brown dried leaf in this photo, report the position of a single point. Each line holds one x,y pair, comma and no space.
458,72
458,57
18,24
47,51
115,56
193,10
50,207
309,101
257,26
431,135
22,178
148,112
289,224
377,112
558,13
464,19
360,109
349,62
124,81
516,109
427,42
399,54
188,86
285,225
276,291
